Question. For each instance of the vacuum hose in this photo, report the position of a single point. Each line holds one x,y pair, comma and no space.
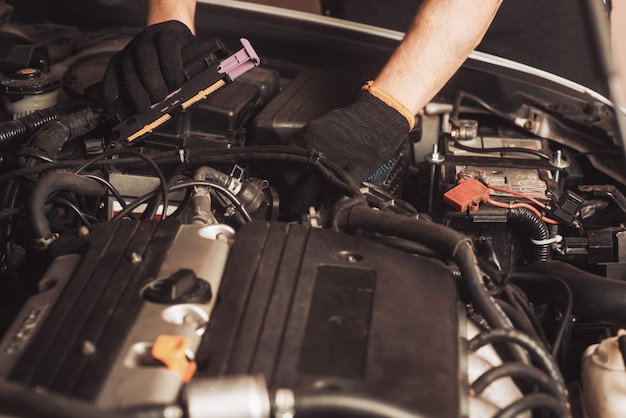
14,132
49,184
596,298
442,239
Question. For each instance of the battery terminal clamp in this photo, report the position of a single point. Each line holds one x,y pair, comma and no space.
467,194
204,75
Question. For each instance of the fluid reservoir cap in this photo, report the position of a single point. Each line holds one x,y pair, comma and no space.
181,287
28,82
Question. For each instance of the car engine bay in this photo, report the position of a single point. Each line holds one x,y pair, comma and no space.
187,262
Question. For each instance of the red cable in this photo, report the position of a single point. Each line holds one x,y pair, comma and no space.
514,193
522,205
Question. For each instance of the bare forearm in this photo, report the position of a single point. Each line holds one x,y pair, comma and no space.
163,10
439,40
618,38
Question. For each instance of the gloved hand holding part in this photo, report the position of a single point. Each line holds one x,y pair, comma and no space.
362,137
148,68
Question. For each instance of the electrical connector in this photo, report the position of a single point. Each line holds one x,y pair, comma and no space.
566,209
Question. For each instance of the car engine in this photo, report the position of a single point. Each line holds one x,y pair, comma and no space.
186,262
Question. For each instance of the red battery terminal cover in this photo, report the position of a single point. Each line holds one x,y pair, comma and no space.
467,194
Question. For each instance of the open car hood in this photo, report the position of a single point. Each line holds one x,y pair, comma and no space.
163,275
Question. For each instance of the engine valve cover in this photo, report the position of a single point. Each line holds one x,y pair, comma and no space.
313,309
92,331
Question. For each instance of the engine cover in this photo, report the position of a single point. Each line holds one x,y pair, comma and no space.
313,309
89,333
309,309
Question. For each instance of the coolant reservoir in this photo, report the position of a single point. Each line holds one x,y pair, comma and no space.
28,90
604,379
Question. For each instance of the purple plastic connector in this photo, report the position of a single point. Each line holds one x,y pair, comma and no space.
240,62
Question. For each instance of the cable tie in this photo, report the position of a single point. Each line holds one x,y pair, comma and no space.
390,101
314,157
553,240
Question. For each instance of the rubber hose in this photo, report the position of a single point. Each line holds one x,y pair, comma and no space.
520,371
537,402
537,228
51,138
20,401
14,132
596,298
210,174
540,356
445,240
333,404
44,188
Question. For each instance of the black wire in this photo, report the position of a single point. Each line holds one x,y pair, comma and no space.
332,404
516,298
408,246
34,153
152,206
183,203
465,95
224,203
10,199
183,185
520,320
74,207
506,116
165,158
133,205
116,194
517,370
567,311
517,150
334,173
536,401
520,297
8,213
141,156
490,271
539,354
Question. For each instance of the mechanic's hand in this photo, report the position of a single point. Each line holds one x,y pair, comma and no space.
148,68
363,137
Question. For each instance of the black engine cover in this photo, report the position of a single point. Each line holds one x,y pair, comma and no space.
313,309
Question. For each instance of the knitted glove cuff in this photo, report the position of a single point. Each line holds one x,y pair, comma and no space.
390,101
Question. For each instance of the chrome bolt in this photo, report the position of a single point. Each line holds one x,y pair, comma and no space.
88,348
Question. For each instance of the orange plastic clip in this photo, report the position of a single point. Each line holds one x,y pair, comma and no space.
467,195
173,352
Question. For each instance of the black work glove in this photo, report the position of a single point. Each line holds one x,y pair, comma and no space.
363,138
148,68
